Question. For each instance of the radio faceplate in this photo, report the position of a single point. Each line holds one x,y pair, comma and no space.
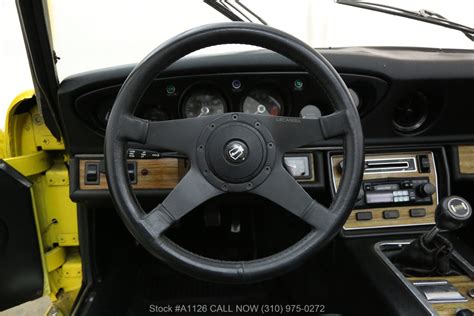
399,189
390,192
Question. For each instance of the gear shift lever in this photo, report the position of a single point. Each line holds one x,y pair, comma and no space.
452,213
429,255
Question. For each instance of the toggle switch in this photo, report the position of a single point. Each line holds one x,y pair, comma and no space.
92,175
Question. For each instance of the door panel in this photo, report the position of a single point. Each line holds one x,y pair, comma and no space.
21,272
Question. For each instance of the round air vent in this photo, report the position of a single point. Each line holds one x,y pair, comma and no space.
411,113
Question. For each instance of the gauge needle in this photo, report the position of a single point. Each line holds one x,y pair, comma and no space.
261,109
204,111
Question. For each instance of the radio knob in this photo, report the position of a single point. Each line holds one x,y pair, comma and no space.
426,189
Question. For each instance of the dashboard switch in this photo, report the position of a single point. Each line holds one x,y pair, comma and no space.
363,216
391,214
417,212
132,172
92,175
424,163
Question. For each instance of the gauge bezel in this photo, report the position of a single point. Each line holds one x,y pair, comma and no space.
201,85
421,124
273,91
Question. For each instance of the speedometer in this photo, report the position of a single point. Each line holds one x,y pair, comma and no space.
263,101
203,102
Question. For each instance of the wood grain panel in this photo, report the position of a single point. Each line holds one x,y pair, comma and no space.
463,284
377,213
151,174
466,159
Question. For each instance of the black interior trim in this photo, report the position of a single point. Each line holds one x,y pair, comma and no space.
21,268
34,22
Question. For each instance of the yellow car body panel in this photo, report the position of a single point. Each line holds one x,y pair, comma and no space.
29,147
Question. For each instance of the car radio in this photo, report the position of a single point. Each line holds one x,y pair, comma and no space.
401,191
398,189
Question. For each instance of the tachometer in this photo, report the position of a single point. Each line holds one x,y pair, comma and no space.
263,101
203,102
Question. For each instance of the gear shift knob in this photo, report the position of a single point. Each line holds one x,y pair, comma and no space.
453,212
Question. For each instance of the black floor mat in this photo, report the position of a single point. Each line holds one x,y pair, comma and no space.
166,291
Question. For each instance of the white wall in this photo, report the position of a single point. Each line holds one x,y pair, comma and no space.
15,74
91,34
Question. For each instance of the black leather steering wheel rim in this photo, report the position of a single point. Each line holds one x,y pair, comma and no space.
123,127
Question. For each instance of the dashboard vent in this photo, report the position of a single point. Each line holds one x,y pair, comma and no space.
411,114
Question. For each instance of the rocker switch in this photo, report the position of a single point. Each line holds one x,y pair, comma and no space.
424,163
132,171
92,173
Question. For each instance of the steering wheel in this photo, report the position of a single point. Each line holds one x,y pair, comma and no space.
233,152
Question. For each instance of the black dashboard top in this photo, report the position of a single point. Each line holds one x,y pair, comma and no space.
406,96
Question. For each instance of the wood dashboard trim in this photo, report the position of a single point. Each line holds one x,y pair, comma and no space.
466,159
463,283
162,173
404,220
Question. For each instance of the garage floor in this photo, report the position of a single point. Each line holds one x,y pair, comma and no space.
34,308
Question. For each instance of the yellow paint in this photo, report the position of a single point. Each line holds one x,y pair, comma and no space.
57,175
68,240
30,164
32,150
2,144
69,276
18,131
55,258
42,134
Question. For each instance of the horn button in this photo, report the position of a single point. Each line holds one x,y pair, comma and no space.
236,152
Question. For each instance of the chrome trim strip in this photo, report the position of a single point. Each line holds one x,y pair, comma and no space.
378,250
460,299
376,170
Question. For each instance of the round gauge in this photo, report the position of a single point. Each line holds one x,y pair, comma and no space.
203,102
262,101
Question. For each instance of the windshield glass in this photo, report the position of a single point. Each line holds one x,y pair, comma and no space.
89,34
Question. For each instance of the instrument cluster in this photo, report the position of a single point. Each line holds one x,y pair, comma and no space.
275,93
209,100
196,96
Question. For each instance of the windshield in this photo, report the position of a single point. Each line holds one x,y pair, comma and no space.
90,34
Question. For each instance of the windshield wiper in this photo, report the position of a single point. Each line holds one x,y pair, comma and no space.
235,11
251,12
422,15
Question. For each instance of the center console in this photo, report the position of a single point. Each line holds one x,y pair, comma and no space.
430,266
398,189
439,295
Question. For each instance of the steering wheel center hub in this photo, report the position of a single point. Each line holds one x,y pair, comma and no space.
235,152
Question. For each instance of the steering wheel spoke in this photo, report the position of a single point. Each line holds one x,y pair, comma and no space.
176,135
283,189
233,152
293,132
189,193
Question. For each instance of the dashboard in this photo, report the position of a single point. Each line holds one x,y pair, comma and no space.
278,94
415,107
